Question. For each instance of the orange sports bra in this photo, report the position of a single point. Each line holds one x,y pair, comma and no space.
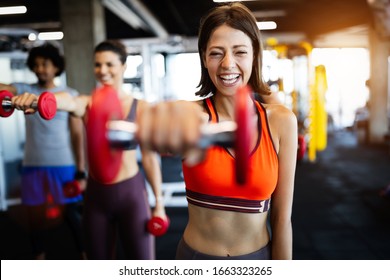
211,183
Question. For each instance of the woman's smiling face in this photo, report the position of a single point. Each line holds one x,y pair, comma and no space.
109,68
229,59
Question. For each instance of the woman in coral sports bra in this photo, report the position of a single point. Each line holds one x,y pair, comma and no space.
226,220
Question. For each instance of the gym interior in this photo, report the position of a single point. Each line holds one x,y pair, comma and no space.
325,60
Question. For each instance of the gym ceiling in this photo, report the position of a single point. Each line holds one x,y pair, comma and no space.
309,19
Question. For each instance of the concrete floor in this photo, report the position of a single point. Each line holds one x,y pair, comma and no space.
338,212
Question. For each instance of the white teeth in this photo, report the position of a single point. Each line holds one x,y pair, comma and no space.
230,76
229,79
105,79
228,82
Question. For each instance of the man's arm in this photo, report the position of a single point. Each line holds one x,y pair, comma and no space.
78,144
9,88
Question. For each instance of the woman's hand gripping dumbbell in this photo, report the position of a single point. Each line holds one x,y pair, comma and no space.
45,104
177,127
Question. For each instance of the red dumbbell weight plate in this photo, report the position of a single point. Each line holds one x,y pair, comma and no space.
53,211
157,226
243,134
72,189
47,105
301,147
4,94
104,162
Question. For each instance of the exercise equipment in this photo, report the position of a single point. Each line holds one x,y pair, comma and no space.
158,226
243,134
301,147
52,210
108,135
46,105
72,189
104,162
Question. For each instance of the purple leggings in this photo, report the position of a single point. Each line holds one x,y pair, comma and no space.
122,209
185,252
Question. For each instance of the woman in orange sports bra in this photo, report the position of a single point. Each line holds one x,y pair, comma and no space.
227,221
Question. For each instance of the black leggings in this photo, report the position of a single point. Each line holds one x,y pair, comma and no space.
121,208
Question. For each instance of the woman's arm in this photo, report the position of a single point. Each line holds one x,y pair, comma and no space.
284,128
152,168
151,165
76,105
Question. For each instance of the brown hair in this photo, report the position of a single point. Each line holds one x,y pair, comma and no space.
114,46
239,17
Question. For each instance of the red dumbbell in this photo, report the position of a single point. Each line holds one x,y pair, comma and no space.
243,134
106,144
72,189
46,105
158,226
301,147
105,106
5,109
52,210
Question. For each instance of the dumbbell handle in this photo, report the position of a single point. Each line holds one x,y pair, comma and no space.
7,104
121,134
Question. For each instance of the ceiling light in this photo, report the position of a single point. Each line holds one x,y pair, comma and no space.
269,13
32,36
46,36
221,1
266,25
11,10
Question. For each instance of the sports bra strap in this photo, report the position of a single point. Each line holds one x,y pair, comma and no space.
133,111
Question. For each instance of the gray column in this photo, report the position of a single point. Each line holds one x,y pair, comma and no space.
83,24
379,54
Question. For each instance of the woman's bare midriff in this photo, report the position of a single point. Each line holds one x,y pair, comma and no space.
129,167
225,233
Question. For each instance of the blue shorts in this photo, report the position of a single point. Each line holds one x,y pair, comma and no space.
37,182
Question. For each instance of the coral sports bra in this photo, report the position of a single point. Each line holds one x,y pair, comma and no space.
212,184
